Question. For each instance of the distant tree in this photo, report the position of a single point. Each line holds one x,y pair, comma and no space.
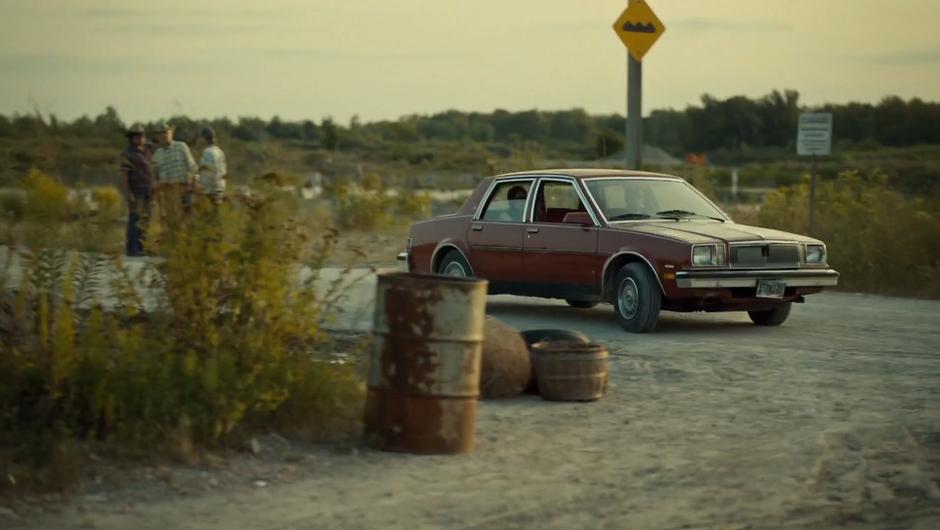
108,124
284,130
6,126
614,122
447,126
28,125
330,138
853,122
403,130
481,127
185,129
250,129
778,113
308,131
607,143
570,125
223,127
81,127
667,129
528,125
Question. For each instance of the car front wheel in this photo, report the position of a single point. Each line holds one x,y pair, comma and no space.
453,264
771,317
637,298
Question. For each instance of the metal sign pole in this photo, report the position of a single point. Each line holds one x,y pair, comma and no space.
813,138
634,138
812,192
638,28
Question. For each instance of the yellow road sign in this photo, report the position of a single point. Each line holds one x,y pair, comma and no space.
638,27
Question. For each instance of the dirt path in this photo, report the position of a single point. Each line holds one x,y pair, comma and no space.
832,420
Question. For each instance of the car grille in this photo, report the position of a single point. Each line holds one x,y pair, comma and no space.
765,256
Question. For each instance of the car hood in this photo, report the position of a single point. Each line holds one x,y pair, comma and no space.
704,231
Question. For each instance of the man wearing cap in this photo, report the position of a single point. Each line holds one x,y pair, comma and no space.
137,173
212,167
174,162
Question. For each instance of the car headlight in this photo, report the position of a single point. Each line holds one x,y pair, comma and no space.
815,253
708,255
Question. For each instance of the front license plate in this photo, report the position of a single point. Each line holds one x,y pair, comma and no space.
770,288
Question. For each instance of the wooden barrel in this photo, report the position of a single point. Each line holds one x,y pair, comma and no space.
424,371
570,371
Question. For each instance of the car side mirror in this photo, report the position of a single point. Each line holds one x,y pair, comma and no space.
578,218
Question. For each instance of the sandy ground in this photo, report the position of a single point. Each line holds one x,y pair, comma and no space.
830,421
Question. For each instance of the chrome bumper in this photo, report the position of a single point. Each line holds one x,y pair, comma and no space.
737,278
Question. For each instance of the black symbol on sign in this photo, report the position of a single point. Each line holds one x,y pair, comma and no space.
639,28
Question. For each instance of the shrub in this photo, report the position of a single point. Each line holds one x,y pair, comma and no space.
410,205
46,199
12,204
372,206
362,209
701,179
217,337
110,204
879,240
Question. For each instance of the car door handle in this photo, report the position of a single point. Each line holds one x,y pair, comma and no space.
532,229
476,227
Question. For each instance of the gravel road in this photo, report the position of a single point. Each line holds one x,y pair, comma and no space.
832,420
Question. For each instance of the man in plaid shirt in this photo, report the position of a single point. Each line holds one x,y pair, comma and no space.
173,162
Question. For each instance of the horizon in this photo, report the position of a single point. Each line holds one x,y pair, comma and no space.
234,119
298,61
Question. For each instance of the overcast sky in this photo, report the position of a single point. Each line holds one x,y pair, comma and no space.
382,59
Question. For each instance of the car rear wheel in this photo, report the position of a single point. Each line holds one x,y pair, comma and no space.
771,317
637,298
581,304
454,265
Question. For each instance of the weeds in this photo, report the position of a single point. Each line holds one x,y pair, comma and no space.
43,213
91,354
878,239
373,206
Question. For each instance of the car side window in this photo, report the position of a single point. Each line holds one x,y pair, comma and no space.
555,199
507,202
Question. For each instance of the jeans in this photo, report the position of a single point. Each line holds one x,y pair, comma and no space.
137,220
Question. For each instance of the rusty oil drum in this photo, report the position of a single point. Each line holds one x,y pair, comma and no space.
424,372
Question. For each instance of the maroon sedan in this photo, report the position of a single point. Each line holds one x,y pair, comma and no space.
641,241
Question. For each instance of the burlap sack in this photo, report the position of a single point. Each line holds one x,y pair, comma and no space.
506,367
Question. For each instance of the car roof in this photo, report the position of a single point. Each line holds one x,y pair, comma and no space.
588,173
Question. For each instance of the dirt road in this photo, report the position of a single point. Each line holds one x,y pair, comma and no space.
832,420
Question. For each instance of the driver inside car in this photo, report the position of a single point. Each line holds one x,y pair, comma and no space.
516,196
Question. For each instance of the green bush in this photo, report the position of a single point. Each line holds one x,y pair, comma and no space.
878,239
372,206
362,210
226,342
410,205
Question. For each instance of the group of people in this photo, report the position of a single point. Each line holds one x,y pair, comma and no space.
166,166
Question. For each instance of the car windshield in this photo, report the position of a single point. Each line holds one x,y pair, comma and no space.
626,199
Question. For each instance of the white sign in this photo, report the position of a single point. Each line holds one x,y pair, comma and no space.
815,134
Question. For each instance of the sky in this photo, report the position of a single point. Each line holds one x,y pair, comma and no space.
382,59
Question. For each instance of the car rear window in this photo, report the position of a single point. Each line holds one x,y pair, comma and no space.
507,202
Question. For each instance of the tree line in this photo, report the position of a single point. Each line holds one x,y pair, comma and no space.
714,124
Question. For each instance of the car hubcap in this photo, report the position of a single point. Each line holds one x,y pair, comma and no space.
455,269
629,298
